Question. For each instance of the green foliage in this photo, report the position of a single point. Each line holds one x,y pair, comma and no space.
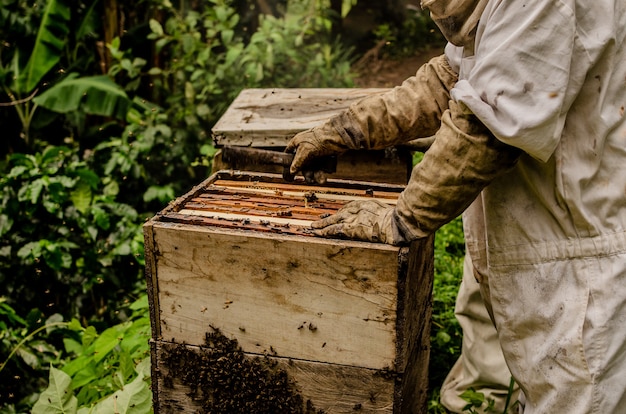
27,348
49,45
57,398
416,32
108,372
478,403
476,400
281,51
212,61
97,95
31,63
446,332
64,233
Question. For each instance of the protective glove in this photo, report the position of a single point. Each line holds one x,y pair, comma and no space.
366,220
464,158
313,143
408,112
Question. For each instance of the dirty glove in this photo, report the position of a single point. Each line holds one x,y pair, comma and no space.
313,143
408,112
464,158
366,220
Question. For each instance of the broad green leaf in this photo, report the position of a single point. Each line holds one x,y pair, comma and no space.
144,367
53,322
29,249
49,45
53,155
141,303
17,171
81,196
160,193
53,255
86,374
28,356
227,36
58,397
89,335
72,346
82,363
137,337
134,398
125,365
31,191
92,231
97,95
90,22
107,340
156,27
101,217
63,181
6,223
75,325
111,189
89,177
161,43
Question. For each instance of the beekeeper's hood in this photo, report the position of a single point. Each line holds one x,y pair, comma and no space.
457,19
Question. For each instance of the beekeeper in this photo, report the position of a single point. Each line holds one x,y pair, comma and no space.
530,143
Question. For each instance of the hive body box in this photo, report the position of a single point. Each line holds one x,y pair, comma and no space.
269,118
347,322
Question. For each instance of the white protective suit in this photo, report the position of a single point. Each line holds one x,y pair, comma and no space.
481,366
548,238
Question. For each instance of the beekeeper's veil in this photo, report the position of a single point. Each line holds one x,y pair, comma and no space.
457,19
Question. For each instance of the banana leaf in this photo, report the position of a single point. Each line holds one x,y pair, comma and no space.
96,95
48,47
90,22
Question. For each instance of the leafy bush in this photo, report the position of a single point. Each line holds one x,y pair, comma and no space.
98,370
63,233
416,32
24,355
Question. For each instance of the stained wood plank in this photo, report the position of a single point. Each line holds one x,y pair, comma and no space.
299,190
247,217
270,117
286,292
415,302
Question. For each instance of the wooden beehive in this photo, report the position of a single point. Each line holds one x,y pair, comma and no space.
269,118
253,313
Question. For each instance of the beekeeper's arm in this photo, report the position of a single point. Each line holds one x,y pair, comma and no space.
412,110
464,158
511,99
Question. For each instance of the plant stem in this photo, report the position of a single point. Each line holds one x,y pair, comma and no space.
508,396
28,337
